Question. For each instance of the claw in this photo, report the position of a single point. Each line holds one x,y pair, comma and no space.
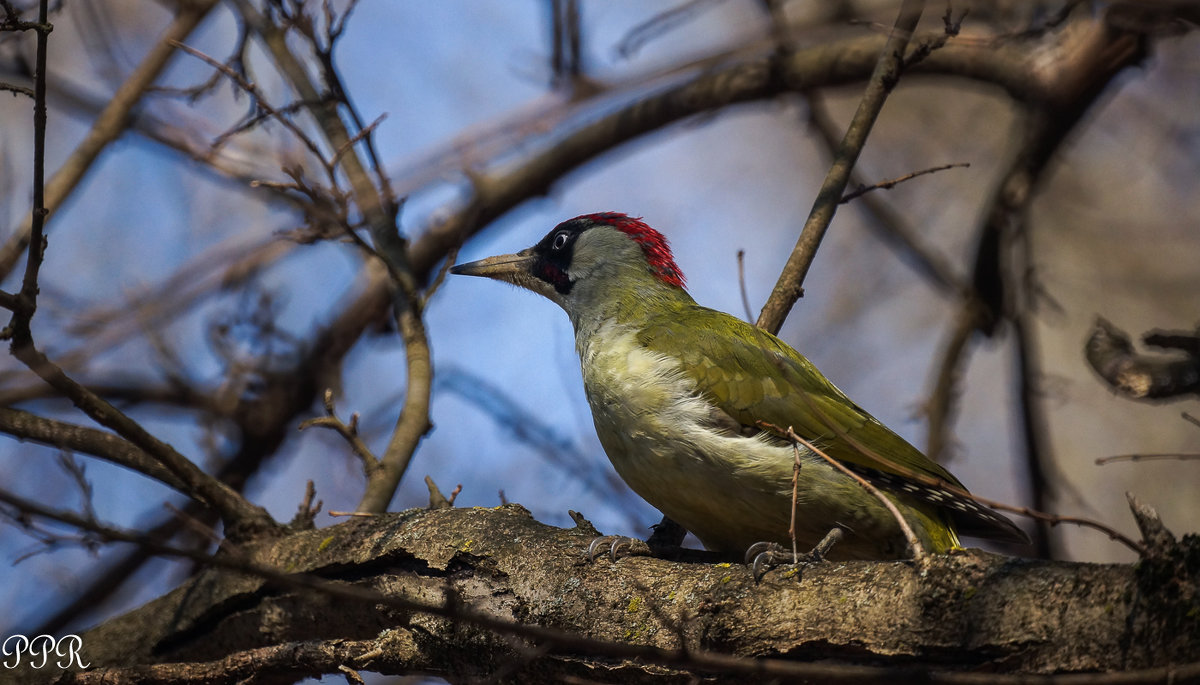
763,555
618,546
596,544
758,548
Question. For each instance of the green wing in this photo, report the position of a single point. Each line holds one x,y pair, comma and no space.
753,376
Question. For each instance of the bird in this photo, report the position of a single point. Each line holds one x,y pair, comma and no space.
691,405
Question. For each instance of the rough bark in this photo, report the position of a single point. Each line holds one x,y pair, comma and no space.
638,619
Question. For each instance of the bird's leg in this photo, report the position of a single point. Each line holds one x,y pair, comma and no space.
763,555
667,536
664,541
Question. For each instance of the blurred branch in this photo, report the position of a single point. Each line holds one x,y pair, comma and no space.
566,54
1162,456
380,209
660,24
887,71
940,408
26,426
1004,259
109,125
1144,377
349,433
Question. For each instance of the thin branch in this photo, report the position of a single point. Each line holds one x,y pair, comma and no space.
112,448
109,125
893,182
789,287
268,112
889,225
1176,456
349,433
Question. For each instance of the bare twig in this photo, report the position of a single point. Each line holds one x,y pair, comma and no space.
307,512
890,225
893,182
436,499
349,433
795,496
1177,456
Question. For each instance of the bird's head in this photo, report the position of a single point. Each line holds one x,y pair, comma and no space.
589,261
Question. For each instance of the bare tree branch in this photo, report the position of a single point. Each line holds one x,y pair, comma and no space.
110,124
789,288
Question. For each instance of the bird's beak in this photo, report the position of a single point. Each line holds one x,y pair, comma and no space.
512,268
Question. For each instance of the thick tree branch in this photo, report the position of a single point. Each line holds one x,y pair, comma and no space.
399,587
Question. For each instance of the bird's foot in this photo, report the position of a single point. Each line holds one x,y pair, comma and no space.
665,542
762,556
617,546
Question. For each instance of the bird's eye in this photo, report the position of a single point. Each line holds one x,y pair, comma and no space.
560,241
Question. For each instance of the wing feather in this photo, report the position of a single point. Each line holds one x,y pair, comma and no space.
753,376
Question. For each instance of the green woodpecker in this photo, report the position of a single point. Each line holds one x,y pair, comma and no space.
680,395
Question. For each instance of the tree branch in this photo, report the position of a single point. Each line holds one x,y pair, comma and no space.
542,612
26,426
789,288
109,124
